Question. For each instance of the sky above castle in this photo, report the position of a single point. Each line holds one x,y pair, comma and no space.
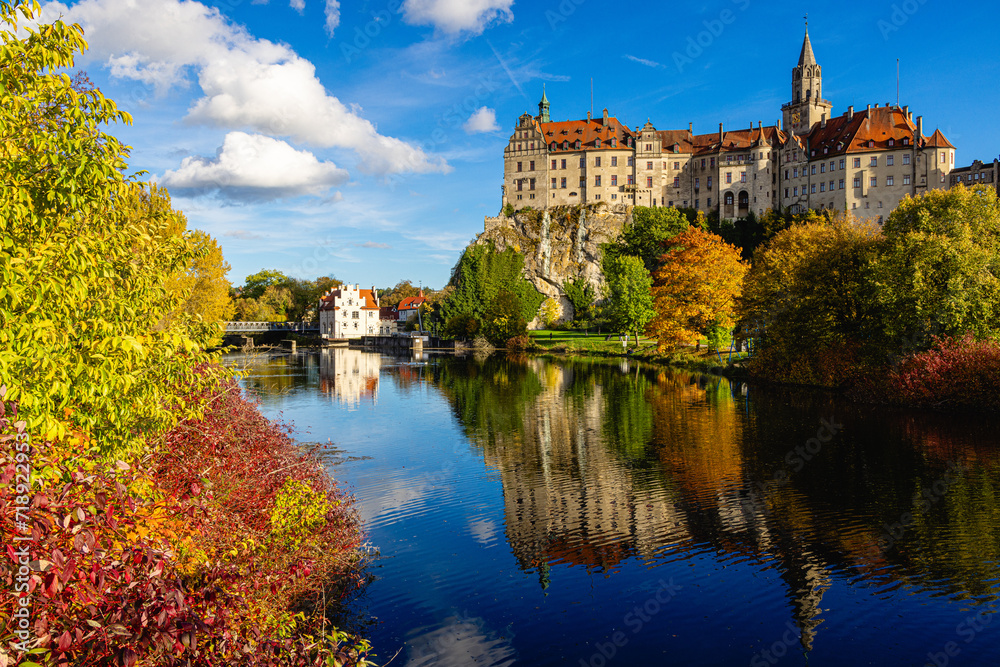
365,139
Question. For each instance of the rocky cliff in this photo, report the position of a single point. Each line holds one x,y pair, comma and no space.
559,244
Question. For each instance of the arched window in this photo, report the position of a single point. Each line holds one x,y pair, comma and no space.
744,200
729,199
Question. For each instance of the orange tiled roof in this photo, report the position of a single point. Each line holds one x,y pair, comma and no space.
871,129
587,132
326,303
411,302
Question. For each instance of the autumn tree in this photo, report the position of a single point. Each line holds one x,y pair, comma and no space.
694,289
938,270
628,293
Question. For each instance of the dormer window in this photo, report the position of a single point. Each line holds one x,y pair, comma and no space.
906,142
871,143
892,142
565,145
577,144
597,143
614,143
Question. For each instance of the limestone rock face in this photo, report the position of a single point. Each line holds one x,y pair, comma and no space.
559,244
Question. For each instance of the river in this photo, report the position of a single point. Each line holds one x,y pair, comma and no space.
583,512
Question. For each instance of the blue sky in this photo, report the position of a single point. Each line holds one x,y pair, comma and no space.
364,139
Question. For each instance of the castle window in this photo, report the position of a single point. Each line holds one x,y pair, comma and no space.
857,163
631,161
709,182
677,181
531,166
531,184
562,164
649,147
786,193
614,180
822,187
729,199
889,180
786,174
814,170
711,163
697,184
553,164
874,181
519,166
614,160
649,181
583,183
857,181
729,177
677,165
597,180
832,165
553,183
583,163
649,165
842,165
841,184
795,191
813,191
822,169
630,179
709,203
906,159
943,159
888,160
597,161
562,183
743,177
874,161
906,179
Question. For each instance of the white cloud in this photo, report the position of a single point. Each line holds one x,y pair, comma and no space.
455,16
483,119
254,167
643,61
248,83
297,5
332,16
374,244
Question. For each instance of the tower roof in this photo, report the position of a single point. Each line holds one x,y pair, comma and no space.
807,57
545,99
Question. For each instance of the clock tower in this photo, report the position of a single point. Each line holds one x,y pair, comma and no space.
807,106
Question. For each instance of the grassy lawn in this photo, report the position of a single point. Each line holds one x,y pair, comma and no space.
580,342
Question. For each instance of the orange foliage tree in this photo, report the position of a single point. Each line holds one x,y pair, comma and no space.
694,289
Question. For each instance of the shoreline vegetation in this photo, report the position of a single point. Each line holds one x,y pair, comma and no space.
151,514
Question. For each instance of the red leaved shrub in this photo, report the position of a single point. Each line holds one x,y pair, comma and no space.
955,372
175,559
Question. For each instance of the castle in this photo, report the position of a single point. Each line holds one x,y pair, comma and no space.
863,161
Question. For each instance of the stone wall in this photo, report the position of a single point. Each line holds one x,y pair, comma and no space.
559,244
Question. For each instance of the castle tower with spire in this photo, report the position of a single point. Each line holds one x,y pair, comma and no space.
807,106
543,108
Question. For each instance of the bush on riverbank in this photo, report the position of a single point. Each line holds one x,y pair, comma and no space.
955,372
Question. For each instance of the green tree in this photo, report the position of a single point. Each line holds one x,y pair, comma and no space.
255,284
480,275
503,319
938,272
83,308
628,288
644,236
582,295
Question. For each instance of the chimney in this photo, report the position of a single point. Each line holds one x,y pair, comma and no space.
690,128
822,121
779,124
869,109
920,128
720,133
906,109
589,116
850,112
605,118
876,105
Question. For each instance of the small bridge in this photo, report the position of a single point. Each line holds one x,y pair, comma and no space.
263,327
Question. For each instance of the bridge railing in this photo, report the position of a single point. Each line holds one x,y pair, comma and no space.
261,327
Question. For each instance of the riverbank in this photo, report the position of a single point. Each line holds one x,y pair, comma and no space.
570,343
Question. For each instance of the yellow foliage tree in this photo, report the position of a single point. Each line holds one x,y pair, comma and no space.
695,287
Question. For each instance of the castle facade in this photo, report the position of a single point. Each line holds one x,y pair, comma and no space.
863,161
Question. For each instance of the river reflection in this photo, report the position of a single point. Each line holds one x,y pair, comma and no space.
744,496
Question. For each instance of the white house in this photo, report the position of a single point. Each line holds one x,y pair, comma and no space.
349,312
